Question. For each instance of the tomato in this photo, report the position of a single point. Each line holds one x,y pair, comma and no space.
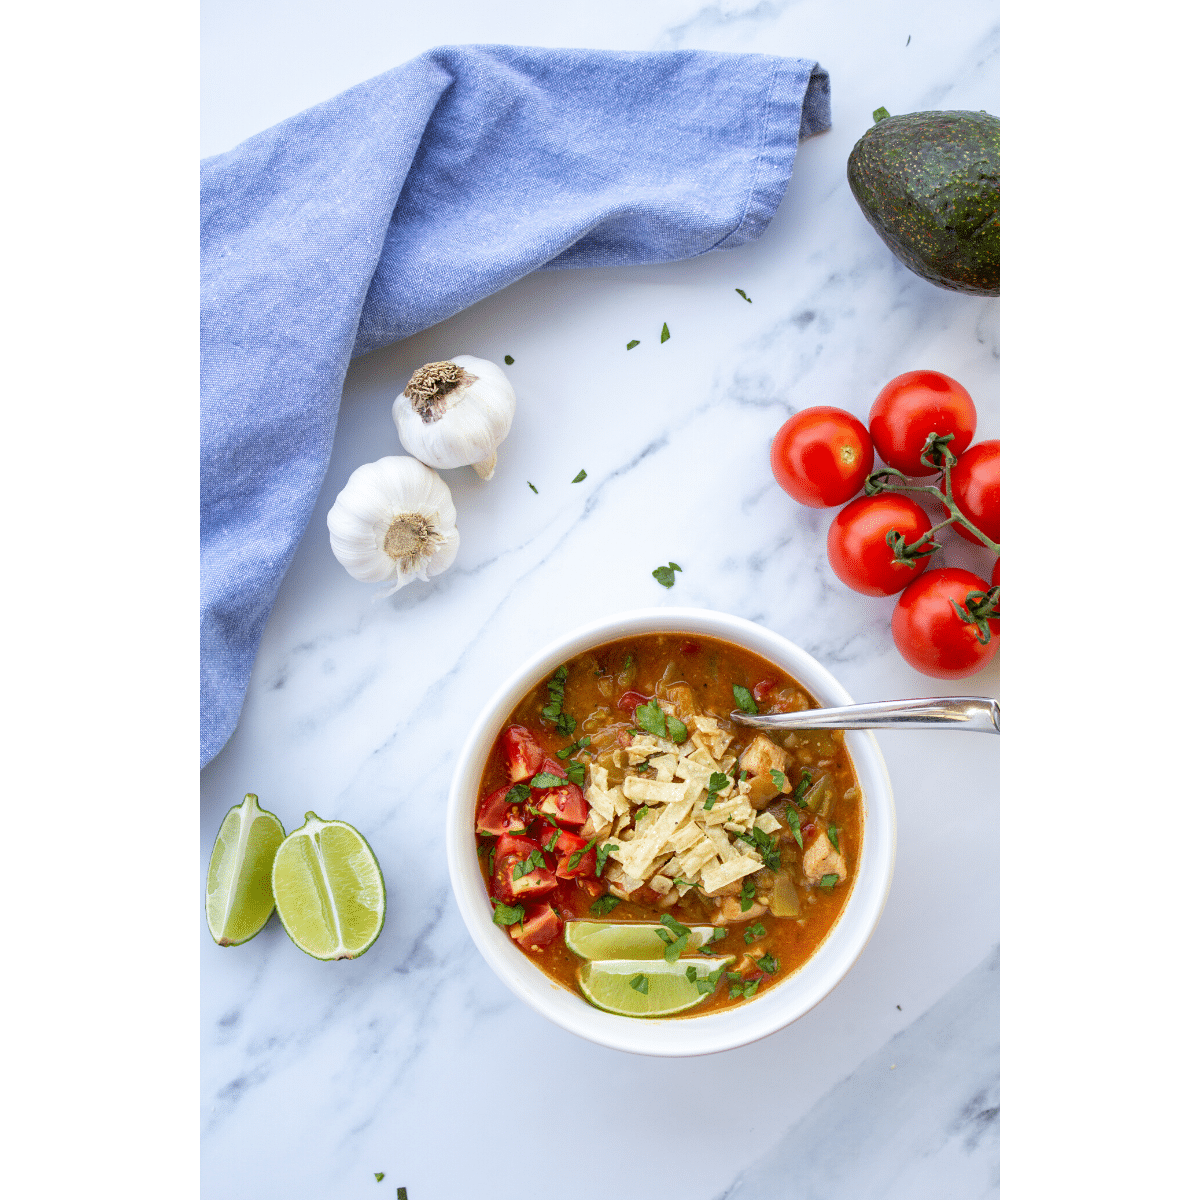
567,847
510,853
822,456
565,803
975,487
996,574
630,700
497,815
763,688
857,543
540,927
930,634
523,754
913,406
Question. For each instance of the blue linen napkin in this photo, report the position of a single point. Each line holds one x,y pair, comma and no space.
408,198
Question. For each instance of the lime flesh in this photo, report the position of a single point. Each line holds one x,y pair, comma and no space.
239,900
328,889
609,985
604,939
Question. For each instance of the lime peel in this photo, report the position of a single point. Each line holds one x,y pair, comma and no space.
595,940
608,985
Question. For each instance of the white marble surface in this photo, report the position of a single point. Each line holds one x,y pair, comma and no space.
415,1060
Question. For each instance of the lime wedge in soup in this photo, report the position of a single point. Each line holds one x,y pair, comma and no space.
634,987
239,900
328,889
603,939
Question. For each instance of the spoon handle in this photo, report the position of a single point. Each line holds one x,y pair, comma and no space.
977,714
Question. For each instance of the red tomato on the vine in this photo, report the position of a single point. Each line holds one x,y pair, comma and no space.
975,488
931,635
996,574
822,456
913,406
857,543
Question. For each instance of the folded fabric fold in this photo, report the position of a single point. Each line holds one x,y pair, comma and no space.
408,198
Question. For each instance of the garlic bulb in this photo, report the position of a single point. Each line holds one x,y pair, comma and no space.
393,519
455,414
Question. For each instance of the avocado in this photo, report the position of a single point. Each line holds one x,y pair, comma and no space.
929,182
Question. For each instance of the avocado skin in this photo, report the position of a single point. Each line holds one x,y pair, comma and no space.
929,183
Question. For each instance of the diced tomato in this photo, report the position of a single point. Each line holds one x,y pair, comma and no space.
689,647
515,845
624,738
536,883
763,688
523,753
808,830
567,846
497,815
630,700
551,766
540,927
593,886
565,803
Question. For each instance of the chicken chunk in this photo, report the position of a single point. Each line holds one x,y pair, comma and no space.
759,759
821,859
730,911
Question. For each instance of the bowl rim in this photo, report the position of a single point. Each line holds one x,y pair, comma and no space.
725,1029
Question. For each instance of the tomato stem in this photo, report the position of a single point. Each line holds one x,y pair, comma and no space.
980,606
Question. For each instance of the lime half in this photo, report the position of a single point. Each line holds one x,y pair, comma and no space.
328,889
239,900
633,987
604,939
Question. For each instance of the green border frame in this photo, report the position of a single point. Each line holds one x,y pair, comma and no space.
101,591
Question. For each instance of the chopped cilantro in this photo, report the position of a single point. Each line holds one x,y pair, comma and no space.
630,345
736,976
651,719
745,701
803,786
666,333
641,812
605,905
719,933
757,930
708,984
779,779
677,729
577,857
532,488
735,990
718,781
602,855
743,295
747,893
518,793
554,710
767,847
378,1176
691,974
546,779
751,988
666,575
769,963
640,983
628,661
504,915
676,927
793,819
567,751
531,864
686,883
828,882
554,839
832,834
665,935
402,1193
492,860
575,773
641,768
509,360
580,477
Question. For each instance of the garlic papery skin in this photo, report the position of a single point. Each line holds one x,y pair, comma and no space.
455,413
394,519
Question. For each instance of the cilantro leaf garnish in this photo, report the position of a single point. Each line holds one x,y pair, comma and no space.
574,747
676,927
554,710
832,834
691,974
651,719
546,779
529,865
665,935
666,333
750,988
602,855
577,857
767,847
506,915
757,930
518,793
735,990
745,701
575,773
803,786
532,488
492,860
580,477
828,882
736,976
640,983
719,933
378,1176
747,896
769,963
666,575
743,295
554,839
675,949
779,779
509,360
793,819
630,345
676,729
718,781
708,984
641,812
605,905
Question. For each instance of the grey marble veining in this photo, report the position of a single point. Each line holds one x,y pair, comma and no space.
415,1060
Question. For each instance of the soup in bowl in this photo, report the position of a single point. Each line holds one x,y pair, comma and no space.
646,871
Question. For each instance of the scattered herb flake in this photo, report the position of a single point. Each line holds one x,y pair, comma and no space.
719,933
757,930
577,857
735,990
567,751
665,936
518,793
651,719
402,1193
676,729
691,974
832,834
554,839
906,44
779,779
793,819
745,701
640,983
747,893
504,915
641,812
751,988
708,984
769,963
580,477
605,905
630,345
509,360
529,865
881,112
554,710
575,773
666,333
378,1176
828,881
736,976
666,575
492,861
743,295
676,927
602,855
546,779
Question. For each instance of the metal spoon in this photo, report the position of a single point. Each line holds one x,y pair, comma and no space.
977,714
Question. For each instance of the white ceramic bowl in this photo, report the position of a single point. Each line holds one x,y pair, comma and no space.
780,1004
